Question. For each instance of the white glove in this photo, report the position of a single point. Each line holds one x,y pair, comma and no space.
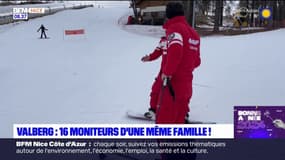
279,123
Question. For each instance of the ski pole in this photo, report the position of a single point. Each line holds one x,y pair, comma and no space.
164,84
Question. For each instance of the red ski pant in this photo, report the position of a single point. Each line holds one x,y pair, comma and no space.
171,111
155,91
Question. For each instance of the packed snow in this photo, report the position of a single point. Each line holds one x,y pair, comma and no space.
98,77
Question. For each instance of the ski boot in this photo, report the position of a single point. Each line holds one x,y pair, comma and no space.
150,114
187,119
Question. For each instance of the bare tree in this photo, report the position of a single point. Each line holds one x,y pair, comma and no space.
282,13
218,14
252,18
189,8
204,6
276,19
134,6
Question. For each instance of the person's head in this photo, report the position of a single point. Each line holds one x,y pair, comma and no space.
174,9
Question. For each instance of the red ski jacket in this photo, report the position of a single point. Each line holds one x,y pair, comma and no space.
161,49
183,55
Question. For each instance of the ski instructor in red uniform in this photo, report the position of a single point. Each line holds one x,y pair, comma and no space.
182,57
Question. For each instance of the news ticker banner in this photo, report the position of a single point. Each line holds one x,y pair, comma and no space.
259,122
124,131
249,122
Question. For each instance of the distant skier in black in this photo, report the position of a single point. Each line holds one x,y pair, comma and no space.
43,29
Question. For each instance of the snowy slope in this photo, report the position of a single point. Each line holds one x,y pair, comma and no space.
89,80
240,70
96,78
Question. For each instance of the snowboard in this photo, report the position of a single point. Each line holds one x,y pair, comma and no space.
140,116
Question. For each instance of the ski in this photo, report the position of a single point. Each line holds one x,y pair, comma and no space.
140,116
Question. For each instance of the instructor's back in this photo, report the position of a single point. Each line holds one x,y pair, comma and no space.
183,56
